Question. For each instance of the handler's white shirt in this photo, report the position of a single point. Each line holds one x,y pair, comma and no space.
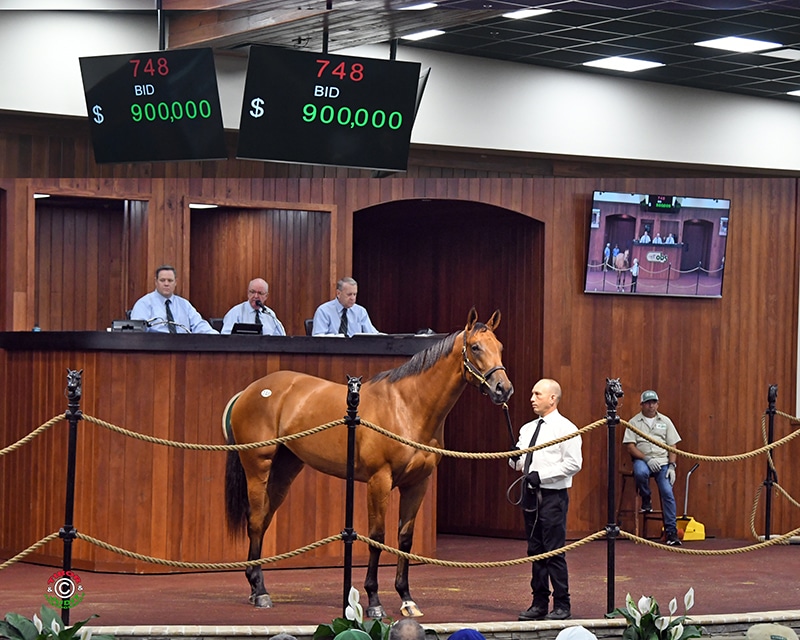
557,463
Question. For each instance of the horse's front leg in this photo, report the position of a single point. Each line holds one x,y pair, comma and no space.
410,501
378,488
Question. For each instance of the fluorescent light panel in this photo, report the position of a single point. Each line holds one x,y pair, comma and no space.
198,205
794,93
421,35
419,7
617,63
784,54
526,13
739,45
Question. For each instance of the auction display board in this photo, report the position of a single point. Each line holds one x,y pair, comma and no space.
156,106
319,108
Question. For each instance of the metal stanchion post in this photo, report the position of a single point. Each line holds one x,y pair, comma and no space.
772,476
68,531
349,535
613,394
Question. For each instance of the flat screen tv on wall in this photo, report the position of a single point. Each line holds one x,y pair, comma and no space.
657,245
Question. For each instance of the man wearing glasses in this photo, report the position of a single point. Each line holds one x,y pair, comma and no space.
254,311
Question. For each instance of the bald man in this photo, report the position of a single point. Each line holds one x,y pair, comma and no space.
254,311
547,476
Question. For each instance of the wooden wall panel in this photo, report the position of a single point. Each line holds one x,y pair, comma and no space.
455,254
152,499
290,249
79,268
711,360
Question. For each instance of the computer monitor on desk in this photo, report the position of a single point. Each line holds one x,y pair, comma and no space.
246,329
129,325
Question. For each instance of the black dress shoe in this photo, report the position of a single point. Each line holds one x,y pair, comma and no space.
558,614
535,612
647,507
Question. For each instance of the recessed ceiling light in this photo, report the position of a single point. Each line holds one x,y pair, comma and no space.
784,54
617,63
419,7
421,35
739,45
526,13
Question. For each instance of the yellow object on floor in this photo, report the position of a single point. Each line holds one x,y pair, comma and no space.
691,529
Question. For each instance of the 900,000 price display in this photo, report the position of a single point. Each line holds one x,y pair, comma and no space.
346,117
170,112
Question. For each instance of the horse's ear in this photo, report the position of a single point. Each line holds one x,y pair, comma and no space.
472,318
494,321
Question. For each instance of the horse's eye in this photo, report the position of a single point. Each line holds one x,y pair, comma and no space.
476,348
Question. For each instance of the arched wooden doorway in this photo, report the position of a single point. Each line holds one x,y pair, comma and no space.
423,264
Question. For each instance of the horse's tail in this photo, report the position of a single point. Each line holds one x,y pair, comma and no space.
237,507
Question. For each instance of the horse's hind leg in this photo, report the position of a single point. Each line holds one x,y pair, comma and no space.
410,501
378,488
267,491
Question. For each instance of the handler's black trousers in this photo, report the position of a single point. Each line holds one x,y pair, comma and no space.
546,530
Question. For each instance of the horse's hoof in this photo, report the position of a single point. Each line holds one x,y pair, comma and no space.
376,613
261,602
410,609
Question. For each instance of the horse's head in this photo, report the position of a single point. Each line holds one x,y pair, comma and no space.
74,384
483,365
613,392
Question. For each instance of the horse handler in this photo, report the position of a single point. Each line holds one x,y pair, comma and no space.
547,474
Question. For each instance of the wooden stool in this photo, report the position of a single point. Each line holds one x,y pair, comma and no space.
627,506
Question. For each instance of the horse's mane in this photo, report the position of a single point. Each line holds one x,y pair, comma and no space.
420,361
423,360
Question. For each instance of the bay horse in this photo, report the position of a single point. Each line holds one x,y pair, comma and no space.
411,400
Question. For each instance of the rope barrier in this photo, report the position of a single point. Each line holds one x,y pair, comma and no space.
767,448
29,550
224,566
36,432
208,565
211,447
480,456
713,552
729,458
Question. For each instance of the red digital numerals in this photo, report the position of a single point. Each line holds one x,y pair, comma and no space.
341,71
159,66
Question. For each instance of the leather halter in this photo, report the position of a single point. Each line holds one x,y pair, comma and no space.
470,368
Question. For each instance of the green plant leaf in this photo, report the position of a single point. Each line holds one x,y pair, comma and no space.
24,628
324,631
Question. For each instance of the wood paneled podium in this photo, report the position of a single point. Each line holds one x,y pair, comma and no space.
158,500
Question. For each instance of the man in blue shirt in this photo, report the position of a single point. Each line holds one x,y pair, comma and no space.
166,312
342,315
254,311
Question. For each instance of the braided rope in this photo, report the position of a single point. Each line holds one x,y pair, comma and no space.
211,447
208,565
29,550
36,432
729,458
713,552
479,456
480,565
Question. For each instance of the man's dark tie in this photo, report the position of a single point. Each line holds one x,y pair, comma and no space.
170,318
258,317
343,323
529,456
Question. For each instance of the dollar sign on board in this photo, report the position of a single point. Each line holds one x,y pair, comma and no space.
97,110
257,111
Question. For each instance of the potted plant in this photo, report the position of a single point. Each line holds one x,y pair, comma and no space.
645,621
49,626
